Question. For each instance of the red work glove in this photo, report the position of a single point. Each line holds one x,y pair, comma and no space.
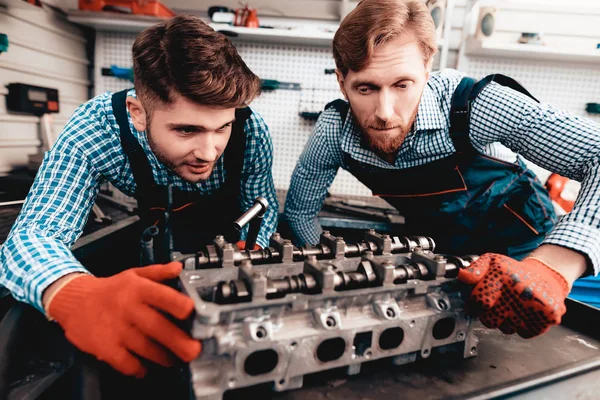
121,319
526,296
241,244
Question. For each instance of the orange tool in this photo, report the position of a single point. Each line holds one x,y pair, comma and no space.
139,7
246,17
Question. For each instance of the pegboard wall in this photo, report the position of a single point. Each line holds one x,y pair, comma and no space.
567,86
280,108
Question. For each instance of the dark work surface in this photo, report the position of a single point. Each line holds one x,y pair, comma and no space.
8,215
505,367
503,364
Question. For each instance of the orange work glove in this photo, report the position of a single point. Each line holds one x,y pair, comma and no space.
241,244
526,297
121,319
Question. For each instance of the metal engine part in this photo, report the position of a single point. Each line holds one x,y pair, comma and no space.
277,314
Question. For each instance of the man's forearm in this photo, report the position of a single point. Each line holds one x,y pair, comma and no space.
569,263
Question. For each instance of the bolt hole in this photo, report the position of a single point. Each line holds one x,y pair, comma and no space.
281,382
390,312
412,323
231,382
330,322
293,345
442,304
461,336
261,332
426,351
473,350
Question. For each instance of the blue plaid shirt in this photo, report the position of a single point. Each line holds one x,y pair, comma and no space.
37,250
550,138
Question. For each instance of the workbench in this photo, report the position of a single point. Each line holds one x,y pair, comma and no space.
563,363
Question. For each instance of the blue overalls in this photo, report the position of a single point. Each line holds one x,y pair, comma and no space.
195,219
469,203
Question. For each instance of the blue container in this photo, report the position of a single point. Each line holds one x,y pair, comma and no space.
587,290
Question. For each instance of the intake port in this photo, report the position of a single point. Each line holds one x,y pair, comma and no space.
261,362
331,349
391,338
443,328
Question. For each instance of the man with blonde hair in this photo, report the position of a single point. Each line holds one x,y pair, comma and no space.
428,143
187,124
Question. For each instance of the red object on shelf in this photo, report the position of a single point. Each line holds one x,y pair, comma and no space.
138,7
246,17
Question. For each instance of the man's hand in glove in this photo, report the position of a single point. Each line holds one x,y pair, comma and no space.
122,319
526,297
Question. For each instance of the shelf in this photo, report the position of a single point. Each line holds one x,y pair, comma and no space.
113,22
314,36
475,47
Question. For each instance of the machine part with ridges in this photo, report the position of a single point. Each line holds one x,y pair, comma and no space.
297,311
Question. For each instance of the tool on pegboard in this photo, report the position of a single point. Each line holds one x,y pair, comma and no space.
272,84
118,72
593,108
3,42
138,7
265,84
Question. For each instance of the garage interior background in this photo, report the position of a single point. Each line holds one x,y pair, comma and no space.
60,47
67,50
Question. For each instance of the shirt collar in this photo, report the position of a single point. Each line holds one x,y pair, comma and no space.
430,115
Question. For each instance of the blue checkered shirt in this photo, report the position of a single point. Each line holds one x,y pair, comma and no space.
88,152
501,119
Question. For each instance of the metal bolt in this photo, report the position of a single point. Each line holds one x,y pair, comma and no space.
287,242
219,238
228,246
276,235
325,233
386,237
371,231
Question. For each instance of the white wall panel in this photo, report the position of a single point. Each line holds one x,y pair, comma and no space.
44,50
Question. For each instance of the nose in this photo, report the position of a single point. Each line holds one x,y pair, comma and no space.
385,105
205,148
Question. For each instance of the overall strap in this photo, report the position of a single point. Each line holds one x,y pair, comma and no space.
502,80
341,107
460,112
236,147
142,172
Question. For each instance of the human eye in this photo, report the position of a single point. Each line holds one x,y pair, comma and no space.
185,130
404,84
364,89
224,128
